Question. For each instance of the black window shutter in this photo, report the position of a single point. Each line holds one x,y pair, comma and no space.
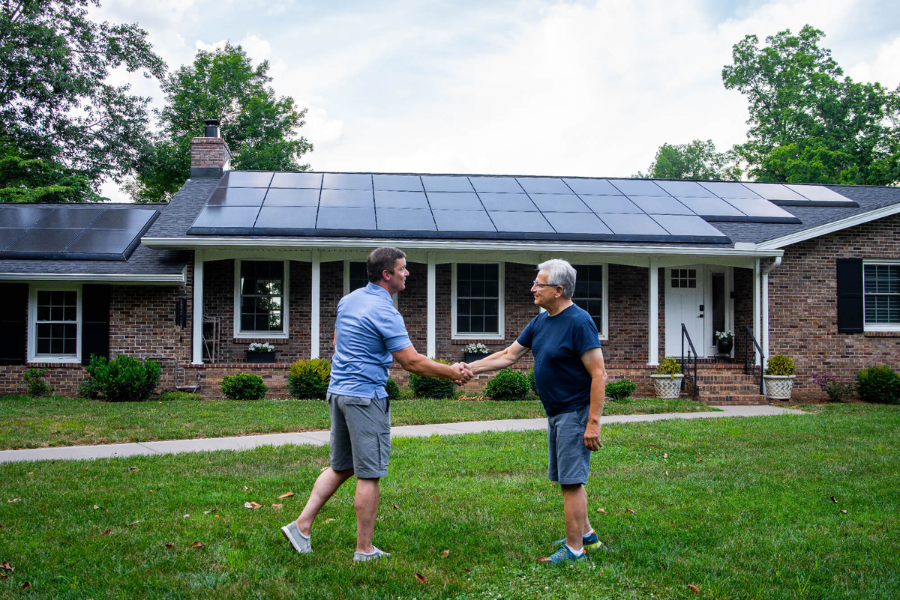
13,323
850,295
94,322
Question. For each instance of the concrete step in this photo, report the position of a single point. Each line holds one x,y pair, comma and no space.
732,400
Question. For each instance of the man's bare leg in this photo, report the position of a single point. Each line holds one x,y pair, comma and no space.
325,487
366,503
575,509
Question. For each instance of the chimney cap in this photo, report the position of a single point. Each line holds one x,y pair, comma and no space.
211,122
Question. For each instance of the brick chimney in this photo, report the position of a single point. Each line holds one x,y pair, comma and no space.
210,155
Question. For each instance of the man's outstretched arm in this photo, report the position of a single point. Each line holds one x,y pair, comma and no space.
499,360
416,363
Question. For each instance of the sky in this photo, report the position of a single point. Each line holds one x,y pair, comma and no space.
517,87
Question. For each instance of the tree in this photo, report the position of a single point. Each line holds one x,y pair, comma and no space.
57,112
259,128
697,160
809,123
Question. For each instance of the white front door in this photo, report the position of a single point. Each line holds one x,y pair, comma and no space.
685,304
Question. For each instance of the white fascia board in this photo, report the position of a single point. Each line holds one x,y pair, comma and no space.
814,232
177,279
452,245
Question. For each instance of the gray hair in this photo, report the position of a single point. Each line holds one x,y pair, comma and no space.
560,272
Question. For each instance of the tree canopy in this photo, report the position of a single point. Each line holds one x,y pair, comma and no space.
63,127
697,160
259,128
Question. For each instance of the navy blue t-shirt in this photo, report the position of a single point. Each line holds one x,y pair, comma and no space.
557,343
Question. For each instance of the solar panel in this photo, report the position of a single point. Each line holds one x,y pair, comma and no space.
496,185
246,179
687,225
346,181
405,219
507,202
69,218
297,180
8,236
286,217
226,217
689,189
346,218
761,208
593,187
347,198
102,241
292,197
237,197
400,200
611,204
638,187
454,201
559,203
544,185
446,183
660,205
44,240
710,208
725,189
577,223
641,225
463,220
818,193
123,218
22,216
524,222
774,191
399,183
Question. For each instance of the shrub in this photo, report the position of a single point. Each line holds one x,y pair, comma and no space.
308,379
668,366
507,384
531,384
88,389
178,395
837,391
392,389
779,364
878,384
619,390
244,386
34,379
122,379
432,387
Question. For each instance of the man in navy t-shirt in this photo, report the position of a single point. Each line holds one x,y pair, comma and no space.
571,380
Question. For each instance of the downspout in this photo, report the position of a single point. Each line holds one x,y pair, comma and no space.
765,306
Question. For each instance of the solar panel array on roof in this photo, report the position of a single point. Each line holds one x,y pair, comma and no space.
72,233
354,204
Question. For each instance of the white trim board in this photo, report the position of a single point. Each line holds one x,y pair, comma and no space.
179,279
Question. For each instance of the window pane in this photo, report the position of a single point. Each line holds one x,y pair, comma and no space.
882,294
262,295
477,298
358,276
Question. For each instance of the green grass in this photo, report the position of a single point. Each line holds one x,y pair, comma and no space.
60,421
739,508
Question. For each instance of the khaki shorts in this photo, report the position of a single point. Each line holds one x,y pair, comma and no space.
360,435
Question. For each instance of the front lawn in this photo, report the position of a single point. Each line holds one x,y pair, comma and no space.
60,421
798,506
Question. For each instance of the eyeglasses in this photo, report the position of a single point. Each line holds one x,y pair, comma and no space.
536,284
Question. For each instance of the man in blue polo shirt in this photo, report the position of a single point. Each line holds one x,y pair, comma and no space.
369,334
571,380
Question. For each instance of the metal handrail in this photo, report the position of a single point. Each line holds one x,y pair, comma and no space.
695,383
747,364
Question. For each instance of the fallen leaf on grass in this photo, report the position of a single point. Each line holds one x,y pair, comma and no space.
422,579
666,455
667,473
628,510
329,520
4,576
833,499
134,469
133,524
25,585
16,499
694,589
843,512
197,545
601,511
278,506
252,505
107,532
96,507
187,516
445,554
170,545
248,489
396,507
5,565
287,495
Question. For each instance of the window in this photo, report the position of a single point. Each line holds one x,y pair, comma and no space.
358,276
261,298
55,331
881,293
477,300
684,278
590,294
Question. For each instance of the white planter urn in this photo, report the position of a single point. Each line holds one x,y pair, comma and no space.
667,386
778,387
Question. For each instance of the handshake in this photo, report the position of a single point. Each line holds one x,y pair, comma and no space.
462,373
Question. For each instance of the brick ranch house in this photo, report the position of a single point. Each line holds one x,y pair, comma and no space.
238,257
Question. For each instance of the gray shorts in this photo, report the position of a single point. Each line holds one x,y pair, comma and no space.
569,460
360,435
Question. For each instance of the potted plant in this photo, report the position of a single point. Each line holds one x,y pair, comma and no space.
667,378
724,342
261,352
475,352
779,377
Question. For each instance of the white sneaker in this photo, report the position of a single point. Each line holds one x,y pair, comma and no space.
375,553
300,542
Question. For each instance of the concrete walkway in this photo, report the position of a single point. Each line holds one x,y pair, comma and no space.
320,438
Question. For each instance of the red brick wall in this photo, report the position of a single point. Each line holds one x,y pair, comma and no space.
209,152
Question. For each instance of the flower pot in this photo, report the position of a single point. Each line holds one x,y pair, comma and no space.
473,356
778,387
667,386
724,346
260,357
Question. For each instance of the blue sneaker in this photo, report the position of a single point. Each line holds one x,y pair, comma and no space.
563,555
590,541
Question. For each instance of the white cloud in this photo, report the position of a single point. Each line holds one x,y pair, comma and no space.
885,69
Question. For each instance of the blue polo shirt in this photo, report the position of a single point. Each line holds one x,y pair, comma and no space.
369,329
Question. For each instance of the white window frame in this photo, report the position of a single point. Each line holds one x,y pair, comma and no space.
603,335
347,280
274,335
501,310
33,356
876,326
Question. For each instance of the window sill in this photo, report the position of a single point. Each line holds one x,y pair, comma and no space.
477,336
260,335
882,334
55,360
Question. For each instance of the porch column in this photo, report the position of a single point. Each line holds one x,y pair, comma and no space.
756,304
764,344
314,325
197,337
431,346
653,325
